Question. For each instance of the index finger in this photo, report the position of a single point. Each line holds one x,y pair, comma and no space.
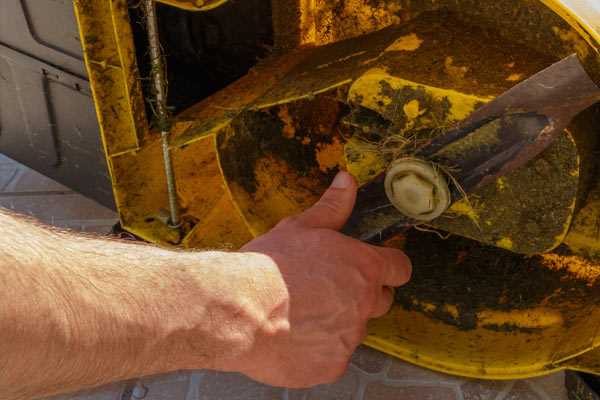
397,267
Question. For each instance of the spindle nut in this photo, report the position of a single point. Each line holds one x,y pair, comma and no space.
417,189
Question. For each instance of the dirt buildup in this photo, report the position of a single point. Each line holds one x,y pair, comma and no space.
530,207
473,277
488,135
302,134
464,57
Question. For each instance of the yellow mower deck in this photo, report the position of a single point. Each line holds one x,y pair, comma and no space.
266,146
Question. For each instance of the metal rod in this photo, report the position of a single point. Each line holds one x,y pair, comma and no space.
160,106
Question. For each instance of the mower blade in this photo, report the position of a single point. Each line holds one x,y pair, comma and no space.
493,141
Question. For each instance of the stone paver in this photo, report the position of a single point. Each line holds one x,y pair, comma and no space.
378,391
345,388
28,192
522,391
553,386
20,179
402,371
231,386
109,392
483,390
371,376
172,386
370,360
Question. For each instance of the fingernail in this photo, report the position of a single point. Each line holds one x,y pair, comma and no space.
342,180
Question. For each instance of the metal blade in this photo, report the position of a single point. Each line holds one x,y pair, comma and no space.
494,140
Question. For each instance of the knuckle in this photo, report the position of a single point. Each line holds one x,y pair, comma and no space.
372,263
369,300
369,278
315,239
331,204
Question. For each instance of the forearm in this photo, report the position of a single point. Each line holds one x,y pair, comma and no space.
78,312
288,311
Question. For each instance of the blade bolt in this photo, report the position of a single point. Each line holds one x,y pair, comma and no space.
417,189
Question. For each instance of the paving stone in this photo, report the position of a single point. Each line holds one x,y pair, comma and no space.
51,207
521,391
369,360
5,160
166,387
28,180
230,386
297,394
109,392
97,226
8,173
344,389
552,385
482,390
100,229
380,391
400,370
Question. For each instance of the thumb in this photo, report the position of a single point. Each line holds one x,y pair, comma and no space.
334,207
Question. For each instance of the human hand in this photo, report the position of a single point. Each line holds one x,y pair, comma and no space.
331,286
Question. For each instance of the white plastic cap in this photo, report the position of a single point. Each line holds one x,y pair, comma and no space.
417,189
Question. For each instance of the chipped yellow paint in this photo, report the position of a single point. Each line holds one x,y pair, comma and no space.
583,243
427,307
409,42
363,160
515,77
112,70
308,28
366,91
576,266
500,184
505,243
464,207
532,318
574,172
304,96
329,155
411,109
571,37
338,21
560,238
340,60
289,130
584,235
582,16
370,60
455,72
452,310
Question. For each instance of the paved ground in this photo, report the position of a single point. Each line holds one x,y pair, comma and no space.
371,376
